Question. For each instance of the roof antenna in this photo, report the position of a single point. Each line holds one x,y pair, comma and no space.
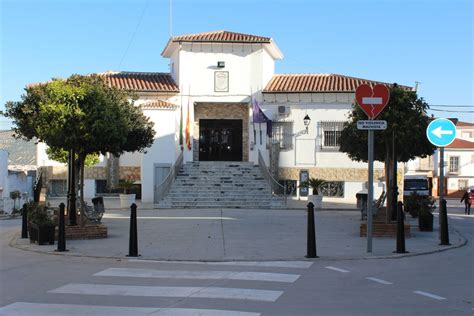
416,85
171,18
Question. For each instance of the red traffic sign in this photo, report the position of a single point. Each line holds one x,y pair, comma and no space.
372,100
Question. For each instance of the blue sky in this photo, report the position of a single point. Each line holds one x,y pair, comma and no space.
430,41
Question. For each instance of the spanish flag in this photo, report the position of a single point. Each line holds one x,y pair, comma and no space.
188,130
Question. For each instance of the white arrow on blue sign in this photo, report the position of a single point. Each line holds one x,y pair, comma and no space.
441,132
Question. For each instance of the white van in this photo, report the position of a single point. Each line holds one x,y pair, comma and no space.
416,183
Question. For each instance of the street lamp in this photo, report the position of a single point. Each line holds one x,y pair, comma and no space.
306,121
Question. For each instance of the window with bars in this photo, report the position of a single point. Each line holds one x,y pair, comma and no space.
454,164
331,134
333,188
283,133
463,184
58,188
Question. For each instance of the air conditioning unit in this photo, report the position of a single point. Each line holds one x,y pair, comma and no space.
284,110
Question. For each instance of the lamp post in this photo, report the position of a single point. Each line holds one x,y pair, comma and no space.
306,121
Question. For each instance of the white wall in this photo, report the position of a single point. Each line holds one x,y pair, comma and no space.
307,147
466,168
164,149
130,159
21,182
89,188
4,191
42,157
249,66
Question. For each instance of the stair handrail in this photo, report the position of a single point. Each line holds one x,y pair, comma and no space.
274,184
165,185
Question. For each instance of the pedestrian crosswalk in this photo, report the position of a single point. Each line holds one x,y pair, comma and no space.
233,283
209,275
25,309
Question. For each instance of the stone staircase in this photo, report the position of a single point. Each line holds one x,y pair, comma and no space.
220,184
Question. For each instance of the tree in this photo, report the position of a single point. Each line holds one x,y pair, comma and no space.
405,135
61,155
81,114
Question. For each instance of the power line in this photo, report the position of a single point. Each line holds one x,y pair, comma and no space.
451,111
134,33
451,106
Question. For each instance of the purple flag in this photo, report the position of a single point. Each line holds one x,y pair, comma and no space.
258,115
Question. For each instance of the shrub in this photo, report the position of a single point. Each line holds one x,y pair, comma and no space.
419,205
38,214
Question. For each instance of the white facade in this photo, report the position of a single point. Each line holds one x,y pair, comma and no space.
458,162
13,180
249,68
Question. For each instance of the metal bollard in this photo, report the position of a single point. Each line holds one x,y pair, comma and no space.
24,222
61,230
443,230
133,241
400,230
311,236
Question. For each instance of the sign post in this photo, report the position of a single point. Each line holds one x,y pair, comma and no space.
441,132
372,101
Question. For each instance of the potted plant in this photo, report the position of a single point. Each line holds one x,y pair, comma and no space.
126,199
425,216
40,224
15,195
315,184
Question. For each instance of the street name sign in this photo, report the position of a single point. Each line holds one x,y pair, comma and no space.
372,125
441,132
372,100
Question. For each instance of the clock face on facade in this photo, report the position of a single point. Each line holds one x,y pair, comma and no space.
221,81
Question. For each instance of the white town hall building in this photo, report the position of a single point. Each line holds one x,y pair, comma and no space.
217,80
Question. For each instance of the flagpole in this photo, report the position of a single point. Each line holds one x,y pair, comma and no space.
253,117
181,121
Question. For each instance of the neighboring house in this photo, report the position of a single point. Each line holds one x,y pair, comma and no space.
214,81
17,168
458,163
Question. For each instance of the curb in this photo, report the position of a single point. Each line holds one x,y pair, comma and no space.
463,241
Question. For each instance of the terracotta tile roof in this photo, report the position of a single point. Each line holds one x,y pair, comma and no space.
221,36
295,83
141,81
464,124
21,152
461,144
158,104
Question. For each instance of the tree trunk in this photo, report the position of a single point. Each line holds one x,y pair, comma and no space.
72,194
82,159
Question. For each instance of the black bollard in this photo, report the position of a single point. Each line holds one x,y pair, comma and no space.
311,242
400,230
61,230
443,230
24,222
133,241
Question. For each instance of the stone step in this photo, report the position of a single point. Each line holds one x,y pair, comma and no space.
217,199
216,205
220,184
220,180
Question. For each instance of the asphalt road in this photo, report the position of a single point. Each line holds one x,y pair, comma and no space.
44,284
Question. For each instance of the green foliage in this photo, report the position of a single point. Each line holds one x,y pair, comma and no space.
419,205
15,194
62,155
38,214
126,184
406,123
81,113
313,183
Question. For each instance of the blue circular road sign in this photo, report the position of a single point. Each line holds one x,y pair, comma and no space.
441,132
